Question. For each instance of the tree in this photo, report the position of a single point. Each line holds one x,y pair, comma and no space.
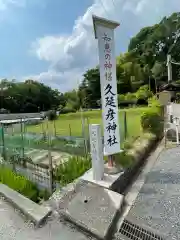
72,100
29,96
152,44
89,90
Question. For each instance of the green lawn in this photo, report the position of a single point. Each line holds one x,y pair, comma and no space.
70,124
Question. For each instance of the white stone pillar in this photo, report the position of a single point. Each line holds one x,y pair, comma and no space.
104,32
96,151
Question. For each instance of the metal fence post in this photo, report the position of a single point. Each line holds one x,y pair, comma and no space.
70,133
125,126
22,137
55,129
43,131
50,159
3,143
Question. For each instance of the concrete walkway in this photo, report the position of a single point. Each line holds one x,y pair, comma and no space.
13,227
157,204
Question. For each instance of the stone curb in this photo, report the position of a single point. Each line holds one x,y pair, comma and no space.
134,189
137,185
140,152
32,211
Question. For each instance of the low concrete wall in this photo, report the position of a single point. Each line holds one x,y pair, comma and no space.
140,154
34,212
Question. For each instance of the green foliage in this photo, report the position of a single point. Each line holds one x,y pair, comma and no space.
152,121
140,97
67,110
44,194
89,89
158,70
121,98
124,160
18,183
130,97
153,102
71,106
144,93
72,169
51,114
178,97
29,96
72,101
152,44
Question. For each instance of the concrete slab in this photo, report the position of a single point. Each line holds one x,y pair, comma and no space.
94,209
40,158
107,182
31,210
13,227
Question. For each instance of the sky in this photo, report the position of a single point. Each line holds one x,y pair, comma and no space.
52,41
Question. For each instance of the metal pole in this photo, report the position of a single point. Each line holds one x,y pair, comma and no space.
1,96
110,161
50,159
177,135
70,130
169,68
22,137
3,143
54,128
83,133
43,131
125,125
82,121
165,108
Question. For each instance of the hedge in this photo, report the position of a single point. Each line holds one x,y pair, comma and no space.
152,121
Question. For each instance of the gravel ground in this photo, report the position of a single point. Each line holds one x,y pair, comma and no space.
157,205
13,227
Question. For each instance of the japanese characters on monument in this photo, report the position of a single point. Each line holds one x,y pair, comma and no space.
107,63
96,151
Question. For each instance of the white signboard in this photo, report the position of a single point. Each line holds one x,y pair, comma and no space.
104,32
96,151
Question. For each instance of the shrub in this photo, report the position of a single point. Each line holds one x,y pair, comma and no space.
126,100
51,114
153,102
143,94
121,97
152,121
72,169
67,110
130,97
18,183
124,160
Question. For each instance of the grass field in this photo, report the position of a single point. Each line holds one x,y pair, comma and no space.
70,124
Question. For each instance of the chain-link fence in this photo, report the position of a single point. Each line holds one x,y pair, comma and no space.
35,147
32,137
